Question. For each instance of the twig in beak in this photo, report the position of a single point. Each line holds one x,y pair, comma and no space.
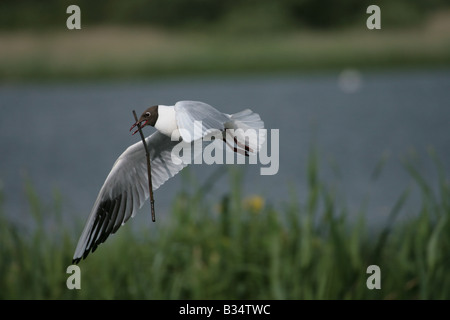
149,169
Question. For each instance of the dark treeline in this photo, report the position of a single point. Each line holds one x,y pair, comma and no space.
253,15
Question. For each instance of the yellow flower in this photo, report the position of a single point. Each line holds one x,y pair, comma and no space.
254,203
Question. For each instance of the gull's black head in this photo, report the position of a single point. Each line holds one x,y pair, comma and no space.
148,117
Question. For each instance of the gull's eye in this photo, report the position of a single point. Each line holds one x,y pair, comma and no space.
147,114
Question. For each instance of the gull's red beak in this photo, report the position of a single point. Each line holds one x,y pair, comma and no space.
139,123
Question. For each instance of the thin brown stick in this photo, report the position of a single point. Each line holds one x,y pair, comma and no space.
149,169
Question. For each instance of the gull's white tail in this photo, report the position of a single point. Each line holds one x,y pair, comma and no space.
245,130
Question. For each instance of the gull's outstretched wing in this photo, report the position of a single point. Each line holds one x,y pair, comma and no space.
190,113
126,189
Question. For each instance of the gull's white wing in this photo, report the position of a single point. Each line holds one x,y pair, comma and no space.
190,113
126,189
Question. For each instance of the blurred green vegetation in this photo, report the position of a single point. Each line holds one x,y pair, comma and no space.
148,39
241,248
253,15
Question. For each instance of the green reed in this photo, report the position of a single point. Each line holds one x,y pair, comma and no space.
240,248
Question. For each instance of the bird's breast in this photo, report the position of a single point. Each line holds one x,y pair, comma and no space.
167,123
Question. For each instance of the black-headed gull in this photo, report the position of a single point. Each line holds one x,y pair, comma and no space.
126,187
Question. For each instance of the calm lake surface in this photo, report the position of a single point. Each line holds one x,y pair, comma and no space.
67,136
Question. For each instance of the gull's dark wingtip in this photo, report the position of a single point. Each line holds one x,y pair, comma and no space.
83,257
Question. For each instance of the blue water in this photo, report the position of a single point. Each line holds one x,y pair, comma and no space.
67,136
